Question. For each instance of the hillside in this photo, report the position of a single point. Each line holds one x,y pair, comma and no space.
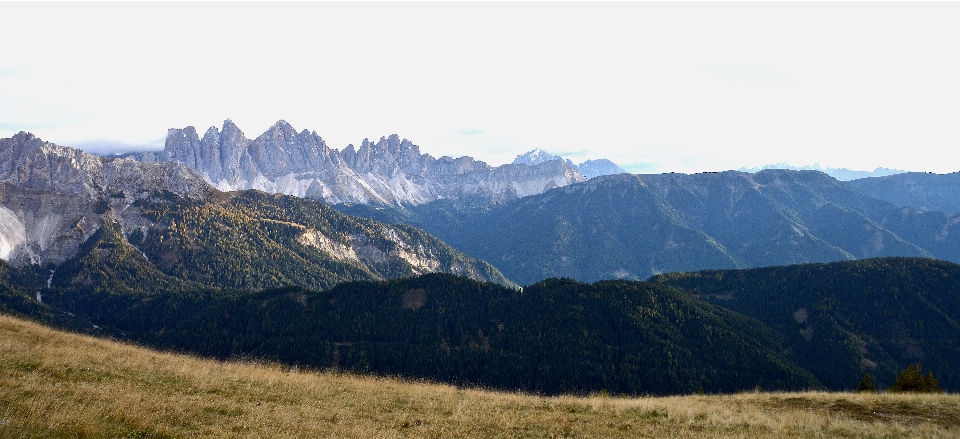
635,226
54,384
796,327
848,318
557,336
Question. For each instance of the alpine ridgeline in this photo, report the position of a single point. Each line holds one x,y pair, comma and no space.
923,191
391,171
62,207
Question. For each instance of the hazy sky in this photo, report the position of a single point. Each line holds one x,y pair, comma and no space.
655,87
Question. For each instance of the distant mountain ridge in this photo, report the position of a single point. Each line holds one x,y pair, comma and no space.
391,171
923,191
589,168
842,174
634,226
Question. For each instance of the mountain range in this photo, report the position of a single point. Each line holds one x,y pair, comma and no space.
56,201
842,174
146,249
391,171
635,226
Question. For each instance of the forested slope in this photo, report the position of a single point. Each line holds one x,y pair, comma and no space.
848,318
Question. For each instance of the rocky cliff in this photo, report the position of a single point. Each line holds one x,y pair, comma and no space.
390,171
53,198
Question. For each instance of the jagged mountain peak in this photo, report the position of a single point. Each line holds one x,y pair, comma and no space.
391,170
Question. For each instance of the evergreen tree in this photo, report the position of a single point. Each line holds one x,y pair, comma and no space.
912,379
867,385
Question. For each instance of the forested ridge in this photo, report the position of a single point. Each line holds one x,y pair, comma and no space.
556,336
848,318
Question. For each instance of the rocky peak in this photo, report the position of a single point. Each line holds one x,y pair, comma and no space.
28,162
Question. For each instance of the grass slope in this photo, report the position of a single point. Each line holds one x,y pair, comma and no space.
55,384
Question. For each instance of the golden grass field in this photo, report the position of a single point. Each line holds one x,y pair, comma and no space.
56,384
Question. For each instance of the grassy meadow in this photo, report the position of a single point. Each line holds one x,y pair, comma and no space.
56,384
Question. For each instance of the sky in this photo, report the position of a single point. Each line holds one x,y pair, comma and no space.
654,87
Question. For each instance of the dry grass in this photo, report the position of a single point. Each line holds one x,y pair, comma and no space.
54,384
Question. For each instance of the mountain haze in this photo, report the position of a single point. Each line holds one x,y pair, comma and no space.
842,174
589,168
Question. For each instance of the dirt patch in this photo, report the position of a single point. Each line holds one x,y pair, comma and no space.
883,411
414,299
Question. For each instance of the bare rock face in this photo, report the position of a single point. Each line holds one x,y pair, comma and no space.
53,198
389,171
